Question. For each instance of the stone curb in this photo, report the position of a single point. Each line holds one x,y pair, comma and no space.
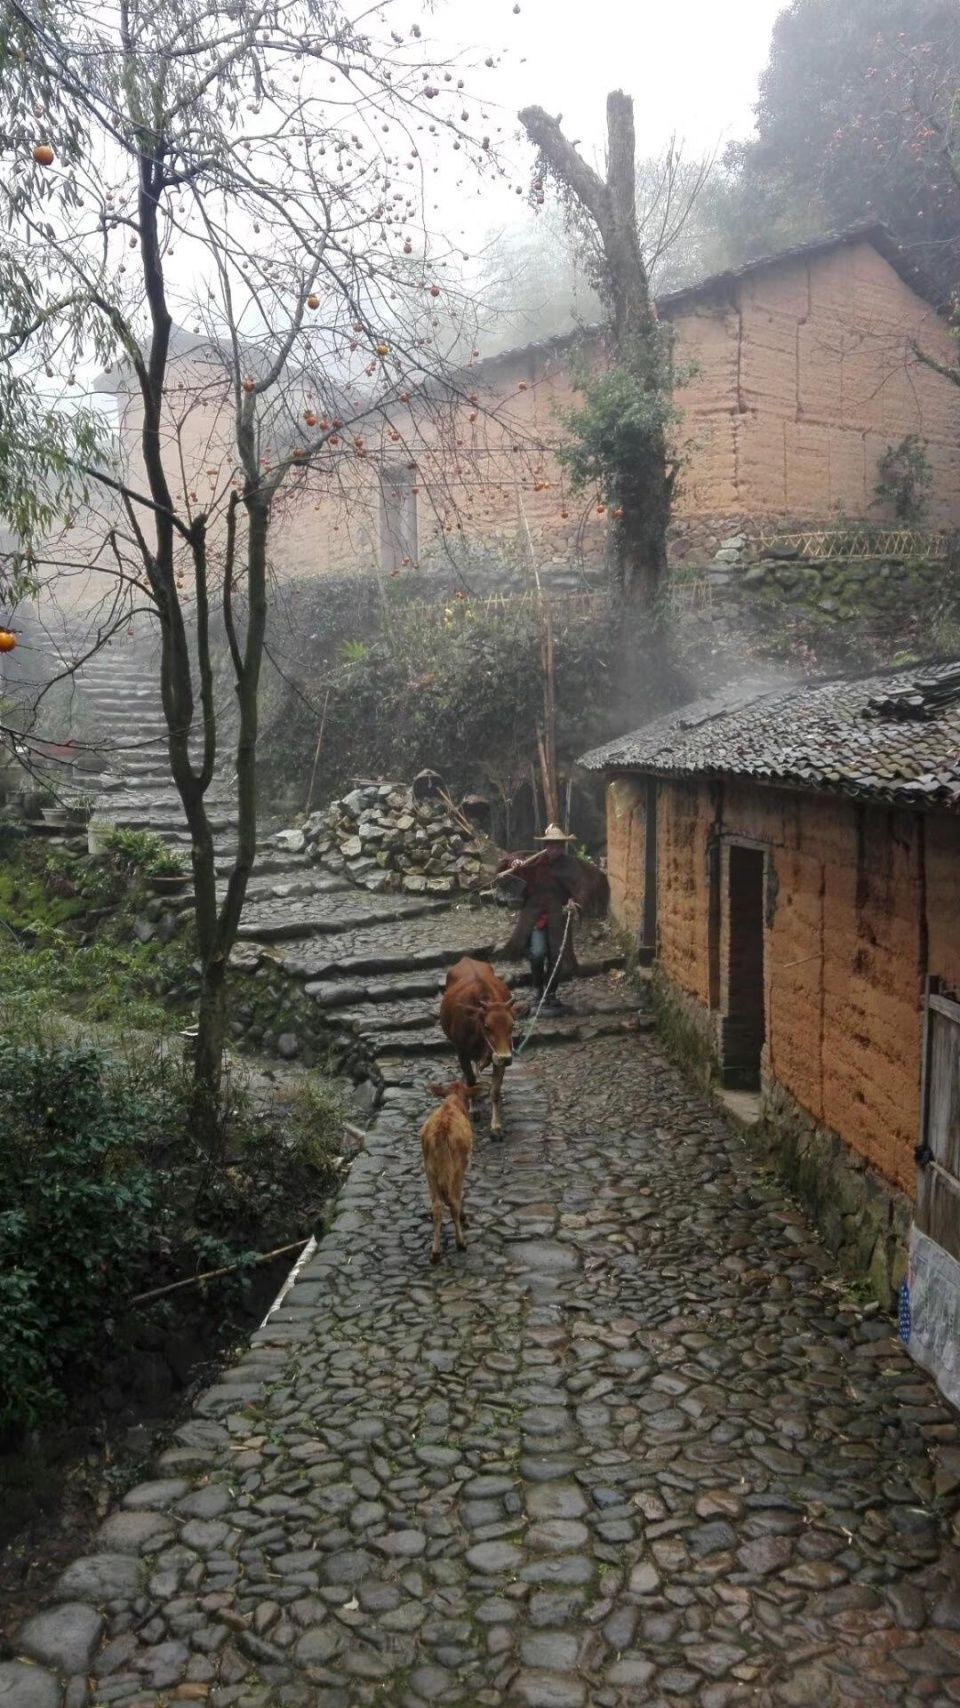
57,1646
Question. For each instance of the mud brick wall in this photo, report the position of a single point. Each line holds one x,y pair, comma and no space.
803,375
861,903
626,852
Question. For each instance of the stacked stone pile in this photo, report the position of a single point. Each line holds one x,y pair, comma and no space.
382,838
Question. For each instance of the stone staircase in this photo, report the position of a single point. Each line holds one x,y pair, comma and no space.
135,791
322,970
361,988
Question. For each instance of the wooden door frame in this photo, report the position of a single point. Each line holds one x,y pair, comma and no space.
934,1002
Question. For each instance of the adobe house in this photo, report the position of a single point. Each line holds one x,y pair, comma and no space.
789,858
803,375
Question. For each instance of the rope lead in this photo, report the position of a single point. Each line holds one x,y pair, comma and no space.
547,989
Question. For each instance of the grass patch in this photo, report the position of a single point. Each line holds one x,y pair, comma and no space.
67,924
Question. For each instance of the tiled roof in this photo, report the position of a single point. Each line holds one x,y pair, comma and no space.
669,303
893,737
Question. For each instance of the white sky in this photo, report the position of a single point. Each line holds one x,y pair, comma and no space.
691,65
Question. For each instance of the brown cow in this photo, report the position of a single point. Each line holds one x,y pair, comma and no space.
447,1139
477,1013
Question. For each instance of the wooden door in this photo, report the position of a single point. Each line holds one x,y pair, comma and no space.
938,1176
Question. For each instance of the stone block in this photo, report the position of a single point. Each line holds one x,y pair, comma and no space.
64,1638
100,1577
24,1686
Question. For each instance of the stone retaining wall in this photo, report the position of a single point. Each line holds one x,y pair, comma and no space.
864,1221
778,589
273,1015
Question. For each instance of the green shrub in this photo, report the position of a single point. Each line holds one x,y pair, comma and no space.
105,1194
103,980
904,479
135,850
315,1130
456,686
82,1200
167,864
53,960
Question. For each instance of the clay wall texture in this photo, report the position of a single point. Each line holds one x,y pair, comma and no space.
804,377
626,852
862,902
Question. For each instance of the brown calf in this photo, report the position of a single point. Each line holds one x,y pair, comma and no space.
447,1139
477,1013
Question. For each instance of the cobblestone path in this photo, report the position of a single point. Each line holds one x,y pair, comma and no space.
636,1446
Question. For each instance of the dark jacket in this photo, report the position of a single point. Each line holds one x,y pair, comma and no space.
547,886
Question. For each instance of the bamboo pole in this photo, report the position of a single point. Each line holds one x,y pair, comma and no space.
549,799
455,813
214,1274
550,703
316,756
537,820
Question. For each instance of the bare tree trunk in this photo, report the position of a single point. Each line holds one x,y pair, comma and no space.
216,930
642,490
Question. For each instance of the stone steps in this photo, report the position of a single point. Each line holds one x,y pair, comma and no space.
568,1029
367,999
264,887
321,915
405,986
136,818
113,690
377,962
317,971
591,996
139,763
324,970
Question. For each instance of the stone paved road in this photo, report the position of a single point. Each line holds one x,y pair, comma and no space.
635,1447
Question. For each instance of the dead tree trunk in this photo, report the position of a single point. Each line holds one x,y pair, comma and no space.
640,486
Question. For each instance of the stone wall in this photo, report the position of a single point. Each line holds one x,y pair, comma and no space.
862,1219
837,586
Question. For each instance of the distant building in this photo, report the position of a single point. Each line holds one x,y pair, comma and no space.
790,860
804,373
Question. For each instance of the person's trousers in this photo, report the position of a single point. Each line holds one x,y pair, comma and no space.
539,951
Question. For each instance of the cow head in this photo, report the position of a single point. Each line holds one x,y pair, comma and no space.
463,1094
496,1024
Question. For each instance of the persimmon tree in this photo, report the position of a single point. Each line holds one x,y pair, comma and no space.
260,172
619,436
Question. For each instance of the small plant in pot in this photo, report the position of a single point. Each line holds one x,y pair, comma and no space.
167,875
52,811
80,810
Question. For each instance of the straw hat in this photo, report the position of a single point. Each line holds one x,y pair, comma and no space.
553,833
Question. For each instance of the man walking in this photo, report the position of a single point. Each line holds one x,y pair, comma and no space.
555,885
